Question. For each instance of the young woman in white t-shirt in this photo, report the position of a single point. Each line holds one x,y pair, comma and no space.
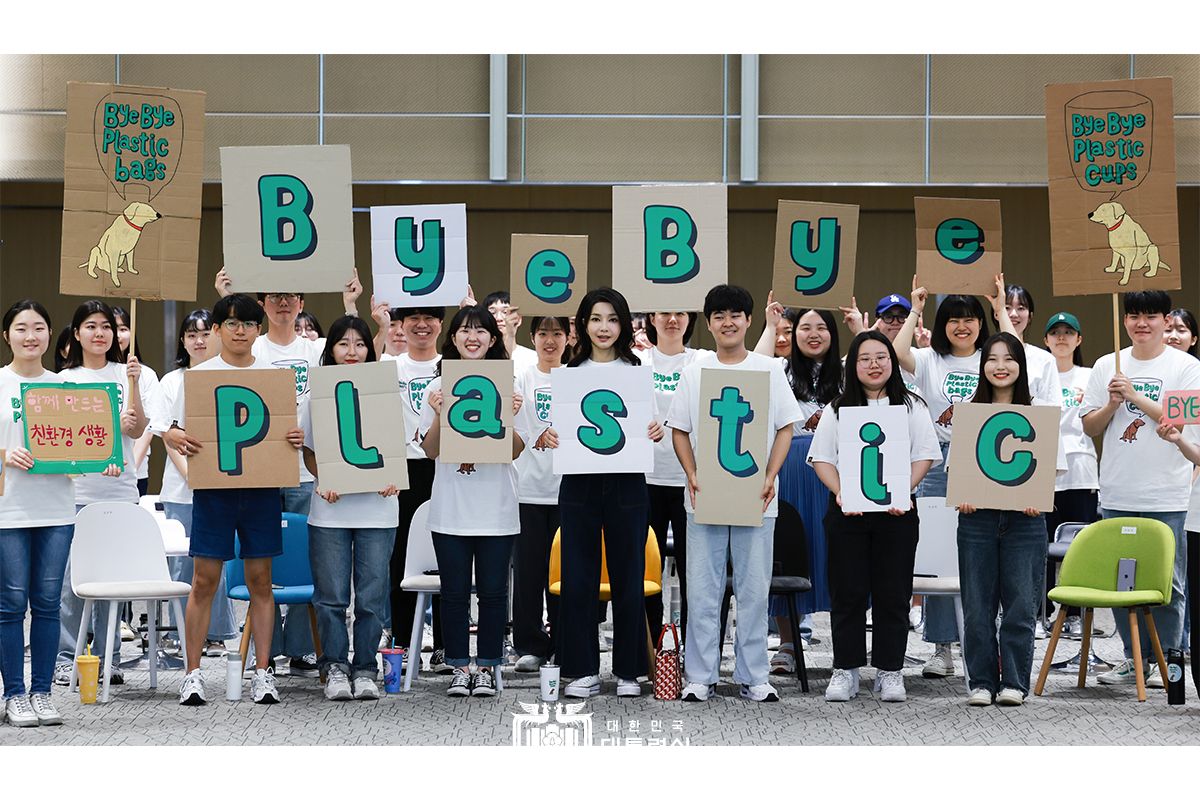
149,383
37,523
1183,334
474,518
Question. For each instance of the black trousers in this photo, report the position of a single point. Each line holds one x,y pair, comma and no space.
666,506
531,570
871,561
404,604
617,504
1193,588
1070,505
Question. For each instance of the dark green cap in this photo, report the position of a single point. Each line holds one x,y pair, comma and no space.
1065,318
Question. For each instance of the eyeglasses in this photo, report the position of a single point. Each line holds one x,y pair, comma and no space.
279,297
866,361
239,325
893,319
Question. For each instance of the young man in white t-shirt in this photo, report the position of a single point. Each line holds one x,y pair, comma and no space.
728,310
1142,475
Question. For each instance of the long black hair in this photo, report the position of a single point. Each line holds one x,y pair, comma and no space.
122,317
75,350
956,306
813,381
337,332
624,343
28,304
984,392
1188,319
200,319
62,343
476,316
304,316
1077,353
854,394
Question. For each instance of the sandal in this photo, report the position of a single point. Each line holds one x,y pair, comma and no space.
784,660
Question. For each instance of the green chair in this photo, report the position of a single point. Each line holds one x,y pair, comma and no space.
1088,579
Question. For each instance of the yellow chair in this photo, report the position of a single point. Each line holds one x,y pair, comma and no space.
652,581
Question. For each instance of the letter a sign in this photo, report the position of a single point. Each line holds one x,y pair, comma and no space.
731,446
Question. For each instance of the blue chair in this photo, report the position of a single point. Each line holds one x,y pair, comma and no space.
291,577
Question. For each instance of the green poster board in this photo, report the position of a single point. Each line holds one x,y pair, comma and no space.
72,428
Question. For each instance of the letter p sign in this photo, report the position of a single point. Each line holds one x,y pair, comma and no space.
242,421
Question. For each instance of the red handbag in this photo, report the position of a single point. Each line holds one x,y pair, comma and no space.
668,676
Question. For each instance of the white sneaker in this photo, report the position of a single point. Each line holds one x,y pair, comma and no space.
587,686
760,693
263,689
1124,674
20,712
193,691
627,688
695,693
979,697
1154,678
784,660
365,688
337,685
842,685
43,706
62,673
529,663
1010,697
941,664
1039,630
890,686
127,633
914,617
1073,629
604,648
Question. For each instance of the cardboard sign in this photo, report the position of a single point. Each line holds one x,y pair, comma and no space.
815,248
1181,407
670,245
241,416
731,446
286,215
132,174
549,274
958,245
72,428
1003,456
358,428
873,458
1114,220
477,412
601,415
419,254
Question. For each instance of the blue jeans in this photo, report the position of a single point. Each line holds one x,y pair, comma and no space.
32,564
293,632
1168,619
941,625
70,614
337,555
490,556
1001,563
222,623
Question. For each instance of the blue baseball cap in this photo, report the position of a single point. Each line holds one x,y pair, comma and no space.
890,302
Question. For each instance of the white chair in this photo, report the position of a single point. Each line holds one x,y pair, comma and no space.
117,555
420,558
936,569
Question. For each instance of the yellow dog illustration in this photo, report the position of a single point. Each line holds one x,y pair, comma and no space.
1131,247
114,253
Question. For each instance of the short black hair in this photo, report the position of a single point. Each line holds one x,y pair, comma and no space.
1015,291
956,306
237,306
1152,301
29,304
496,297
337,331
398,314
535,324
726,297
200,319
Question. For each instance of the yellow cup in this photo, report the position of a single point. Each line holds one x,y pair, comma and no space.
89,677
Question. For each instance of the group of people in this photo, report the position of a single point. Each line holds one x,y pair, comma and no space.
489,518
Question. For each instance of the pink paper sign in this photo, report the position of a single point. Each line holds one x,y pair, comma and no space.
1182,407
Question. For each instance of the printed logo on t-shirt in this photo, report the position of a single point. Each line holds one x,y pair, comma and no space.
1150,387
416,391
811,423
1072,397
1129,436
666,383
959,387
16,409
541,404
300,367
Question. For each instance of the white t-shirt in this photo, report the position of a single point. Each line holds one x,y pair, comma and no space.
685,408
536,481
810,410
944,381
357,510
150,381
174,486
95,487
667,372
1044,382
302,356
29,501
472,499
179,408
922,440
1140,471
1192,523
415,377
523,358
1081,451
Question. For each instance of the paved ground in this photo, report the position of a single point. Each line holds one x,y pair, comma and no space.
934,714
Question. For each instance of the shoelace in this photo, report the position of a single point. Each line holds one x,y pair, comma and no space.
461,678
42,705
21,705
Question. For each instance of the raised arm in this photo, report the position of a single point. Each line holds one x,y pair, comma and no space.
904,339
772,315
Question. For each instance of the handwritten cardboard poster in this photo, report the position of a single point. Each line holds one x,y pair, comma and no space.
601,415
549,274
286,217
670,245
815,248
477,412
241,417
419,254
1114,218
873,458
958,245
133,169
731,445
1003,456
72,428
358,428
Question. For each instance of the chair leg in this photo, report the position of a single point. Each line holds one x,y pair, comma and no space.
1136,636
181,629
1156,644
108,648
650,652
152,632
80,642
414,645
244,647
958,617
1085,650
1059,621
797,644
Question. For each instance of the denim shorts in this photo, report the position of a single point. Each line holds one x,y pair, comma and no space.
255,514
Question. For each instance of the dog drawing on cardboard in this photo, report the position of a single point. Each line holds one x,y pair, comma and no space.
114,253
1131,247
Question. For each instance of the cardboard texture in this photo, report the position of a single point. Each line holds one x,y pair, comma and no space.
286,217
549,274
133,169
1110,155
816,245
472,393
419,254
670,244
587,405
731,446
72,428
359,437
1181,407
958,245
1003,456
252,457
873,458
